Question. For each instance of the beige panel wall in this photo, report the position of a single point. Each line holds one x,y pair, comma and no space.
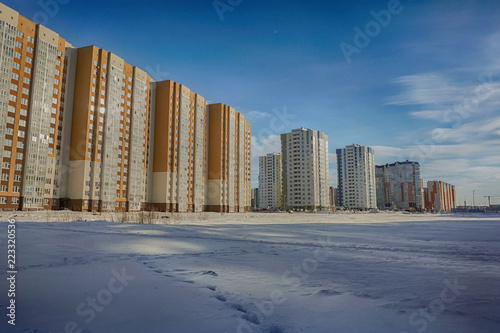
68,94
8,14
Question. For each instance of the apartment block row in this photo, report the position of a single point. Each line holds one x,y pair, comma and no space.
399,186
80,128
364,185
361,183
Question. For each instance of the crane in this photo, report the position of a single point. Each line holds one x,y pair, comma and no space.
489,198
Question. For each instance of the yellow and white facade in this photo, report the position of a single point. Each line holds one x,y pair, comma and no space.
35,110
80,128
229,160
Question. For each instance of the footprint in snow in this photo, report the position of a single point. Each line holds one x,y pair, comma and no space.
329,292
252,318
365,295
239,307
221,298
211,273
213,288
276,329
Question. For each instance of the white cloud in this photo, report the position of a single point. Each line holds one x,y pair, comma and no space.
437,115
472,132
265,145
426,89
449,101
254,115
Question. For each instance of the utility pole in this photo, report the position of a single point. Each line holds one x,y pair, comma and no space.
489,198
473,198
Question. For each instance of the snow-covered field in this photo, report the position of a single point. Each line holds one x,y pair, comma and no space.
255,272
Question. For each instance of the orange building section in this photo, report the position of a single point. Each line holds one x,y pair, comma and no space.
228,161
108,161
83,129
440,196
17,115
31,142
180,149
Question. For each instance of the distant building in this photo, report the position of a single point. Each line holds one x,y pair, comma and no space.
356,177
333,197
255,198
440,196
399,186
305,169
270,168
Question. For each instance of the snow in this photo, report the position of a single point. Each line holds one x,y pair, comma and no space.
267,272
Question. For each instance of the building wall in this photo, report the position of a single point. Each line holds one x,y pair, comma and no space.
179,171
228,185
83,129
441,196
305,169
270,181
356,177
333,197
399,186
108,153
33,70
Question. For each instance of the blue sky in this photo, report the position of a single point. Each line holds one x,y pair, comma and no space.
425,86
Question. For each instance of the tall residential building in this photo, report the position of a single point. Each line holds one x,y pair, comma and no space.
399,186
356,177
85,130
270,181
305,169
441,196
254,198
180,149
109,134
35,79
228,160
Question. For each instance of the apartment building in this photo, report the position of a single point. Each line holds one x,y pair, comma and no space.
399,186
270,178
35,108
255,198
108,155
81,128
356,177
180,149
440,196
305,169
333,197
229,138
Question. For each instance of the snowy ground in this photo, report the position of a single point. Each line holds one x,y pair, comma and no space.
256,273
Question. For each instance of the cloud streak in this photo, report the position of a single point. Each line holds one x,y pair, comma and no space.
461,146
